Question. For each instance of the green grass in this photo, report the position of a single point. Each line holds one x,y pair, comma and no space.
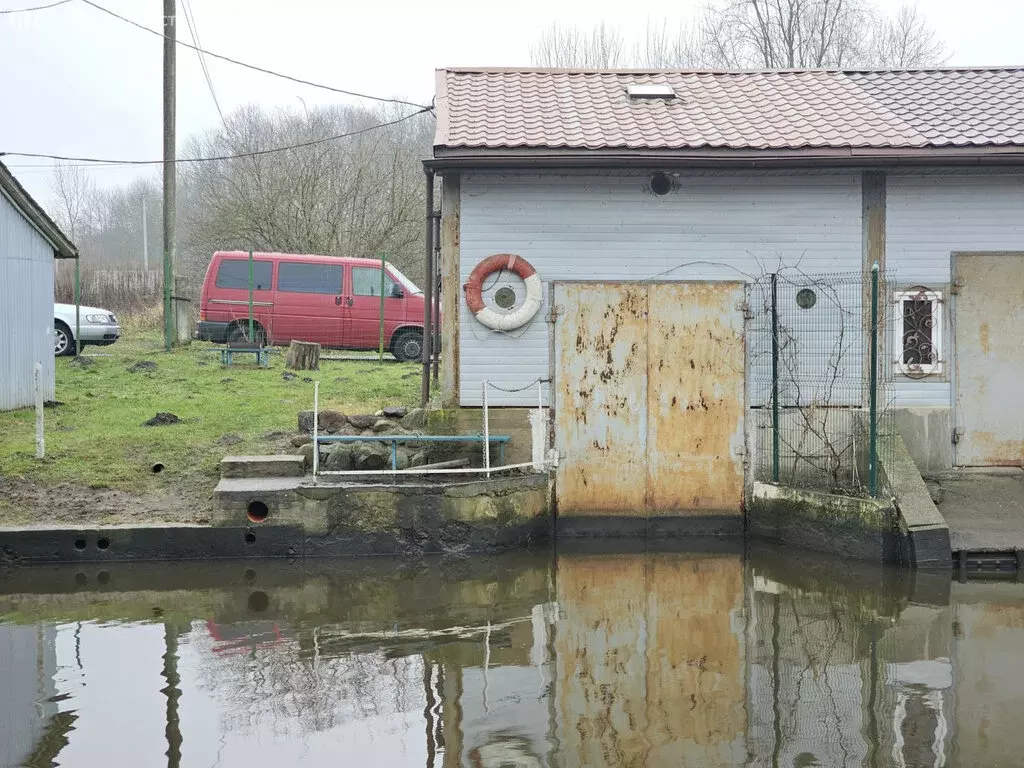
96,438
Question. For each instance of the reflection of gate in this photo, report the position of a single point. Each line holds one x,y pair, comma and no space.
649,397
989,358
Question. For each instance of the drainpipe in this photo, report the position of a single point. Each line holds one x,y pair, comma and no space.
428,288
436,342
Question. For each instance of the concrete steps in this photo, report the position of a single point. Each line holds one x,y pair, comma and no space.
236,467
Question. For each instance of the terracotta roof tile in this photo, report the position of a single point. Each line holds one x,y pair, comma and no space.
733,110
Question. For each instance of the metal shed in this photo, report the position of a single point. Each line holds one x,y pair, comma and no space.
29,242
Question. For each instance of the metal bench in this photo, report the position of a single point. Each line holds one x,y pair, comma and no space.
501,440
227,353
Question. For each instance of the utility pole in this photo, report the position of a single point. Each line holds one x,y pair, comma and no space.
170,42
145,239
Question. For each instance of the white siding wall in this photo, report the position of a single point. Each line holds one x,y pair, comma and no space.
26,308
610,227
930,216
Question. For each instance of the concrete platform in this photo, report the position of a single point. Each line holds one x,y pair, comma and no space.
984,511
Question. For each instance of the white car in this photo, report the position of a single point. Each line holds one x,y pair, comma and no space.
97,327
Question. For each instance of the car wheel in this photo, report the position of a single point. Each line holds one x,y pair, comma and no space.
239,334
63,341
408,347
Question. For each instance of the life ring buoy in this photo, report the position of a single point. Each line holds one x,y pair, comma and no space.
504,321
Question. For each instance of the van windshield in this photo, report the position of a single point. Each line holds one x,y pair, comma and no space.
409,285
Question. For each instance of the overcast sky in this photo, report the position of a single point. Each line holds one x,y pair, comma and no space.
78,82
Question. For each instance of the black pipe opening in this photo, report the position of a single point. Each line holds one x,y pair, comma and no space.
257,511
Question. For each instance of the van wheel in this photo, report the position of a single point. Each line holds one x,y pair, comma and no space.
408,347
63,340
239,334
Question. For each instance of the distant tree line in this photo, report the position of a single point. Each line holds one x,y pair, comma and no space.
755,34
355,196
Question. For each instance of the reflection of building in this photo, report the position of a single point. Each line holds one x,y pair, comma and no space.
27,665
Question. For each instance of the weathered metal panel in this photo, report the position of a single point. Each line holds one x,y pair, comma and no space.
695,397
649,661
601,396
989,359
607,227
26,309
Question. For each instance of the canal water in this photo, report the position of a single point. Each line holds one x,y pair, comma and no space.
715,657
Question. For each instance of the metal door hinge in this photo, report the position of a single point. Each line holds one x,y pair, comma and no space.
957,434
955,286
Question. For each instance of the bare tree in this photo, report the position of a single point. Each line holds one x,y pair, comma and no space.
572,48
757,34
74,190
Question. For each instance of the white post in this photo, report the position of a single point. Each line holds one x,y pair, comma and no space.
316,427
40,442
487,434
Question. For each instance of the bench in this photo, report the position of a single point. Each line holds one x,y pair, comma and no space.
226,353
501,440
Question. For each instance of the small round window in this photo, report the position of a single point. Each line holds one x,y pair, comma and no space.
806,298
505,297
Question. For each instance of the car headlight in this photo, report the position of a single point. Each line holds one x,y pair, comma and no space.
98,319
113,319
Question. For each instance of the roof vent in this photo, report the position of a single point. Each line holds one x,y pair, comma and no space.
650,91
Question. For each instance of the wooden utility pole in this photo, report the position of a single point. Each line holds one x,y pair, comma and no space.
170,41
145,239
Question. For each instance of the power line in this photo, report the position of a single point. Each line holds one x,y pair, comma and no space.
193,30
253,66
255,153
34,8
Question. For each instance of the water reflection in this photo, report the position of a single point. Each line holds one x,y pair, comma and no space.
580,659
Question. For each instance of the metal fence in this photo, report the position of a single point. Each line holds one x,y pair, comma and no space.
364,308
821,380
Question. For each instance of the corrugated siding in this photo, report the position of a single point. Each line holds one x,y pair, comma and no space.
26,309
930,216
610,227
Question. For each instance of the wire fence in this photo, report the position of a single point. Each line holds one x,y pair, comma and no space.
821,381
352,307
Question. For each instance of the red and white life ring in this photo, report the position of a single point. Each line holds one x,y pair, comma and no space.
504,321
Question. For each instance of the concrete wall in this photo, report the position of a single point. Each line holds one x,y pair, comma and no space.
26,309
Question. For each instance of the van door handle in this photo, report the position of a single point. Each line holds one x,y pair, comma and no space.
337,300
349,301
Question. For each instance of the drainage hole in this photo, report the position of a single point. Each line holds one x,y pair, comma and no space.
79,544
249,576
103,577
157,468
257,511
250,537
80,579
259,601
103,543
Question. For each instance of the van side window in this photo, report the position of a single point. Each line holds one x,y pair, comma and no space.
366,282
234,273
296,277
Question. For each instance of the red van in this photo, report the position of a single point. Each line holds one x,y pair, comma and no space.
325,299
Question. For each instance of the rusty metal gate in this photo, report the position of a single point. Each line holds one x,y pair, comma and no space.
649,397
989,359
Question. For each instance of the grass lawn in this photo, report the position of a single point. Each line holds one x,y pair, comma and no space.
99,454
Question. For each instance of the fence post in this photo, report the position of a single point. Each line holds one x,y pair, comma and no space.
873,388
316,428
380,350
78,305
37,374
252,335
775,379
487,432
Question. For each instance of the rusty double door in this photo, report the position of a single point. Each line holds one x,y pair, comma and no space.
649,397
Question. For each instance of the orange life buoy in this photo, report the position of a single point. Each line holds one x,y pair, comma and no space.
504,321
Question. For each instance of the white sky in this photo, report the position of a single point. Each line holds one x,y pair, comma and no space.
78,82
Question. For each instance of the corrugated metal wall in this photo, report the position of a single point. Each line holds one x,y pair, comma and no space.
611,227
26,309
928,217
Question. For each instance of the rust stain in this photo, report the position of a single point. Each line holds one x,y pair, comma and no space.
649,667
601,387
696,402
983,339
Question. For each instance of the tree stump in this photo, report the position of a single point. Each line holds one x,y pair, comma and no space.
303,356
